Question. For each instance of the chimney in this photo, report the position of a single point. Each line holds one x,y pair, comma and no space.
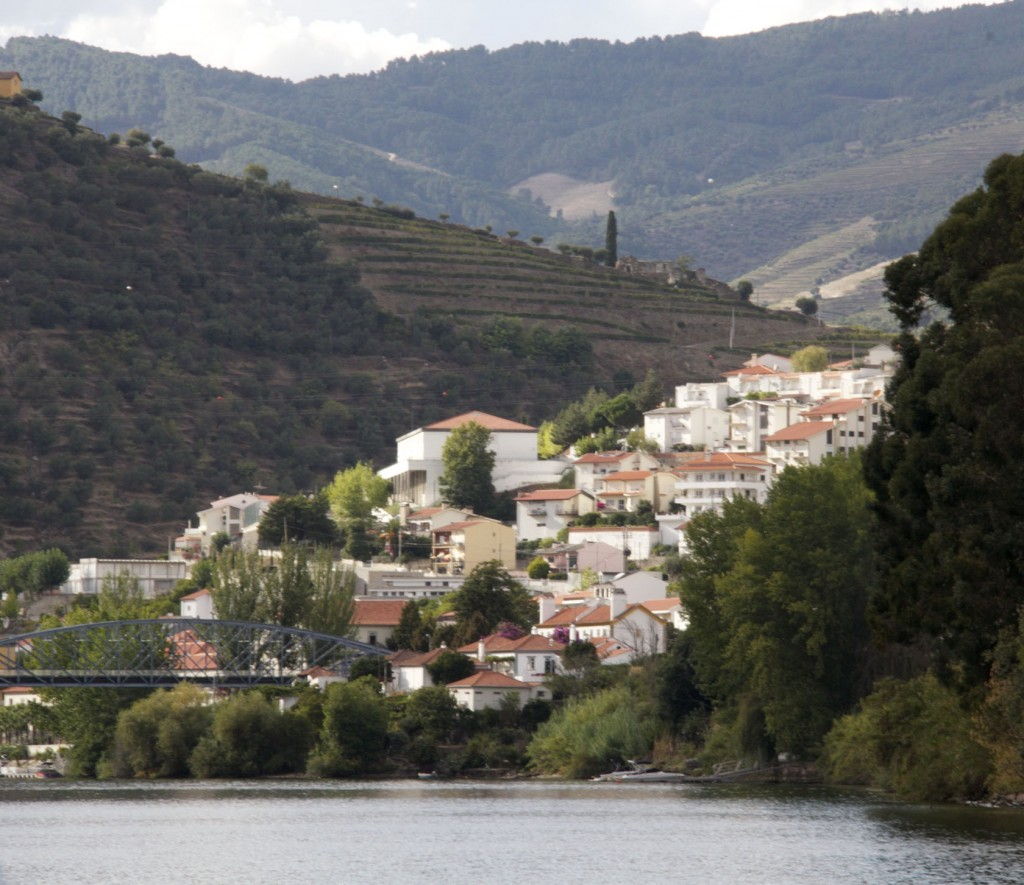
574,634
618,603
545,608
481,651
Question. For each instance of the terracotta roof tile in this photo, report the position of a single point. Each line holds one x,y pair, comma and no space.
549,495
800,431
491,422
378,612
602,457
489,679
495,644
624,475
837,407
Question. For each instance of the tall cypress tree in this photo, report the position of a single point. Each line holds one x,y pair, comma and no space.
611,240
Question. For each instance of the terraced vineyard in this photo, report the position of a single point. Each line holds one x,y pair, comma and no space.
416,266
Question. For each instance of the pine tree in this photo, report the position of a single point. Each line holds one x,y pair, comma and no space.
611,240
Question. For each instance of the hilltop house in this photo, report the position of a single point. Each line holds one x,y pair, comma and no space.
544,512
10,84
418,467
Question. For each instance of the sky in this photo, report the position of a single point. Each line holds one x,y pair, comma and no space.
298,39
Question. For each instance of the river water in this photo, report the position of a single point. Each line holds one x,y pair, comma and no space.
523,832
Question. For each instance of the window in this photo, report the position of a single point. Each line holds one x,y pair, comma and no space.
531,663
549,664
721,477
699,477
373,639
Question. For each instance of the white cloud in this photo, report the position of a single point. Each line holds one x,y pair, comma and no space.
250,35
727,17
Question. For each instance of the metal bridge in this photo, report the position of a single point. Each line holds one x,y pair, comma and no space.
166,651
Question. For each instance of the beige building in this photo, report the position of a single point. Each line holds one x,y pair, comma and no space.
10,84
460,547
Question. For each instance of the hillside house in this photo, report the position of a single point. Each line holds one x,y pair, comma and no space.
418,466
594,555
197,605
669,609
237,516
856,420
712,394
751,420
460,547
594,465
800,444
409,669
709,483
426,519
10,84
694,426
625,489
633,625
487,690
770,361
529,658
545,512
375,620
635,541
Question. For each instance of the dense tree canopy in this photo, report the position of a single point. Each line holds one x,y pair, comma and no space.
947,470
468,467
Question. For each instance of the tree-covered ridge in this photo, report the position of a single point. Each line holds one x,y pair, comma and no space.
169,335
732,149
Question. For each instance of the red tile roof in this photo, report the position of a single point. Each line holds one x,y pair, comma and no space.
751,370
458,526
489,679
495,644
407,658
602,457
579,529
491,422
195,595
549,495
660,606
837,407
378,612
800,431
425,513
626,475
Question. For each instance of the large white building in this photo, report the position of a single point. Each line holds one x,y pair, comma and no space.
707,484
418,466
695,426
237,516
154,576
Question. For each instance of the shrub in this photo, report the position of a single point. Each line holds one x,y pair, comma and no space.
538,569
353,739
912,738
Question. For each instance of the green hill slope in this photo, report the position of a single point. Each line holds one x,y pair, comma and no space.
738,150
168,335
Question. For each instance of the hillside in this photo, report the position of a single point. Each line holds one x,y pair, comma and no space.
739,150
168,335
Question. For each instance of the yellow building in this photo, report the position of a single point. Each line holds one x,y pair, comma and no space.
10,84
460,547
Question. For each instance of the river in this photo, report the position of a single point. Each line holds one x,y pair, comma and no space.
475,832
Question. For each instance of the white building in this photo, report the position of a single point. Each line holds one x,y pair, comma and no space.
639,586
635,541
696,426
237,516
712,394
197,605
487,690
155,576
529,659
375,620
709,483
410,669
418,466
632,625
751,420
392,583
590,468
545,512
856,420
800,444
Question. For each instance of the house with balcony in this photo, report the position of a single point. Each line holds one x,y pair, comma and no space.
529,658
711,394
424,520
460,547
856,420
709,483
237,516
417,471
807,442
625,489
593,466
694,426
751,420
543,513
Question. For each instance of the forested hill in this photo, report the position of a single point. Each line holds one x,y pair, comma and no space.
796,155
170,335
